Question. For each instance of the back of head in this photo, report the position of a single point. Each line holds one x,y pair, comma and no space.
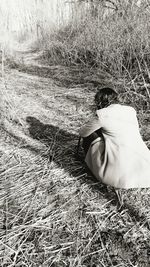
105,96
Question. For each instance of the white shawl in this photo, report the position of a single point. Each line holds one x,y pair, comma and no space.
122,159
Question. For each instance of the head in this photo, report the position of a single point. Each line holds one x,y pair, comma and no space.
105,96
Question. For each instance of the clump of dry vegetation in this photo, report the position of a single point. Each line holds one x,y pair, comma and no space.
53,212
114,39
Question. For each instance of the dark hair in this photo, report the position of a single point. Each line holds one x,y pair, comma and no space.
105,97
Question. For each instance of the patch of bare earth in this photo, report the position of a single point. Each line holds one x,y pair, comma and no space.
53,213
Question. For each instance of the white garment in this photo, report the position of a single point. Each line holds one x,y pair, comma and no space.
122,160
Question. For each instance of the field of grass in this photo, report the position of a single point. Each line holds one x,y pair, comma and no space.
53,212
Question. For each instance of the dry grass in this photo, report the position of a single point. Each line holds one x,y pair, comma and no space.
53,213
114,42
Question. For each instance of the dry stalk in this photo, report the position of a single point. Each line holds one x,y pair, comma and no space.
140,69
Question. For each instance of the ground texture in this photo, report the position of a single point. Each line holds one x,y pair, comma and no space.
53,213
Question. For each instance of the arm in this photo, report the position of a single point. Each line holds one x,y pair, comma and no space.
90,127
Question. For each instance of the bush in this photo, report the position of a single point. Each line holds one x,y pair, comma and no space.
115,42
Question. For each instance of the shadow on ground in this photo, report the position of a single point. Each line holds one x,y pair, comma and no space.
67,76
62,149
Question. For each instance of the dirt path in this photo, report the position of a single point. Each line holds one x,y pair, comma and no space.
53,213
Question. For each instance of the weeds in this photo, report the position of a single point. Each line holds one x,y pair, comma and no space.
52,211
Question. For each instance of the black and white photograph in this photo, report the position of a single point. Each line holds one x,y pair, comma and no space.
74,133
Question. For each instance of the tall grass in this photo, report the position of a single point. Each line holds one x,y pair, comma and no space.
115,39
114,42
52,213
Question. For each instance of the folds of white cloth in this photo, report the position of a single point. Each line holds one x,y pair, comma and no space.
121,158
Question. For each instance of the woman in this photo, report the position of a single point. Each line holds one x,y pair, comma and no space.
115,151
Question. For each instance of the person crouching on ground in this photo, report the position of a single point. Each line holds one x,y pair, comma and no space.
114,150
